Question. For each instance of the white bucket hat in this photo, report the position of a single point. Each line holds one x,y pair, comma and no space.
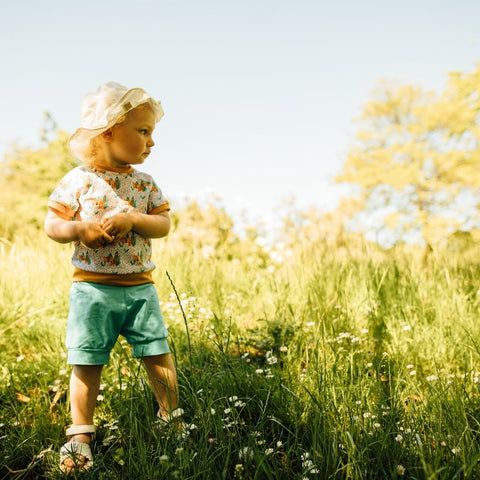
102,109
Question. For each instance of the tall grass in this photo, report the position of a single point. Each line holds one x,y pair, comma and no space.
314,361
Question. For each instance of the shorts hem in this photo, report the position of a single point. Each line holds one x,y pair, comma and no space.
84,357
160,347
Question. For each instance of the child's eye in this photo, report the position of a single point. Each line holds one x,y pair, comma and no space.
143,131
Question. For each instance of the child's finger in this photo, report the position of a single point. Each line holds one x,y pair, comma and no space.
107,237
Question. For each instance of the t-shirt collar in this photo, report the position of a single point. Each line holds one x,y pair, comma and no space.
97,166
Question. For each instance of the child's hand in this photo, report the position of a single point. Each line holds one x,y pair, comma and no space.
92,235
118,225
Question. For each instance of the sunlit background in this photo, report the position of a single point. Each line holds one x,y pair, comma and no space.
259,96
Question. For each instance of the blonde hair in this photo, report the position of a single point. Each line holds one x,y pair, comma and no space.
94,145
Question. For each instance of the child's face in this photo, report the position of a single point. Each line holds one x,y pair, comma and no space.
130,141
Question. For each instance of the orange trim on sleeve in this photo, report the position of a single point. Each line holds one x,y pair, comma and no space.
162,208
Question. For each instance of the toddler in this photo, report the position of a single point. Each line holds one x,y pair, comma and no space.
111,211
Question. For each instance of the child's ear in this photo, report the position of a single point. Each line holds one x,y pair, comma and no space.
107,135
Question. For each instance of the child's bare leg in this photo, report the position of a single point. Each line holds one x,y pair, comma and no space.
163,378
84,388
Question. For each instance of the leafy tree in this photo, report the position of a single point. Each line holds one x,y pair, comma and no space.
27,177
416,157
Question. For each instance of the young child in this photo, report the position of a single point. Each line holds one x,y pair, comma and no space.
111,211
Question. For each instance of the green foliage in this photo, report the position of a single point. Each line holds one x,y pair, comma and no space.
27,177
417,154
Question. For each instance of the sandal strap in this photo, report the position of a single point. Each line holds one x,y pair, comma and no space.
171,416
77,429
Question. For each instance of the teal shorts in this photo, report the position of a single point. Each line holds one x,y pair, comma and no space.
100,313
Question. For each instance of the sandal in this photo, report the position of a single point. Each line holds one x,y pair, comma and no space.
173,416
173,423
79,453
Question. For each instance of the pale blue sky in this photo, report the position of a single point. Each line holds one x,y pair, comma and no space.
259,95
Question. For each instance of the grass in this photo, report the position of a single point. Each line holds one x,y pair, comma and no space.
315,361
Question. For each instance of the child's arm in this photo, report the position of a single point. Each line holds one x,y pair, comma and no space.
92,235
148,226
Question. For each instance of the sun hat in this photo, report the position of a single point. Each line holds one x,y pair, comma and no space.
102,109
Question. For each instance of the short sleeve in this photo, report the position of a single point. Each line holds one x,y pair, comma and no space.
157,203
68,191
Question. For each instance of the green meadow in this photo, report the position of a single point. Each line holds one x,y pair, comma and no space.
313,359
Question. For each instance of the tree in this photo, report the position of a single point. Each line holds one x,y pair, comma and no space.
28,176
416,157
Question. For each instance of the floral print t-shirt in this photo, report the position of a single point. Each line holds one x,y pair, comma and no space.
90,193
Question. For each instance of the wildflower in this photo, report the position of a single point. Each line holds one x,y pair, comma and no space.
307,463
233,398
271,359
20,358
455,451
283,348
164,458
268,451
279,444
108,440
268,373
400,470
399,438
62,372
179,451
99,398
239,404
407,328
238,467
212,411
245,453
259,371
227,411
310,324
